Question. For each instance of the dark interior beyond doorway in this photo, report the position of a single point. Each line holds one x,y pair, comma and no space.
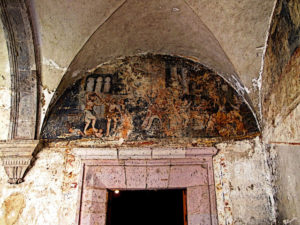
154,207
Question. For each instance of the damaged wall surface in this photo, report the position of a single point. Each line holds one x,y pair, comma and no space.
150,98
55,180
5,94
121,78
281,92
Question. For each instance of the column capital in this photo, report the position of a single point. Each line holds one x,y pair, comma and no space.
16,156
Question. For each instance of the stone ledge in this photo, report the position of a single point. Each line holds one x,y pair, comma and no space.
16,156
143,153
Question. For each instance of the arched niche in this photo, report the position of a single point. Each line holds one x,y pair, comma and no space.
150,99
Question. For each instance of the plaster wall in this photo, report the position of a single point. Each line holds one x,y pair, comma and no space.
50,192
242,34
240,27
281,109
244,194
287,183
5,94
284,156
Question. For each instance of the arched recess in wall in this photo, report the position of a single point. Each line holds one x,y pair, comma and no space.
161,28
151,100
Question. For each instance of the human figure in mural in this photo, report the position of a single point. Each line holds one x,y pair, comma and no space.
184,112
92,99
90,84
184,80
112,113
107,85
153,111
148,99
99,109
99,83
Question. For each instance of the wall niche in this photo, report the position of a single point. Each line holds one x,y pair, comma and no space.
154,99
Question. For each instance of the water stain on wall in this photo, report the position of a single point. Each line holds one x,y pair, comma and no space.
12,208
148,98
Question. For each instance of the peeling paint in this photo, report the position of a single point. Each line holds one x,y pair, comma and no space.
46,98
52,64
76,73
149,97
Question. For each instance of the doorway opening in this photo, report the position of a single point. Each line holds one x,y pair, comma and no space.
136,207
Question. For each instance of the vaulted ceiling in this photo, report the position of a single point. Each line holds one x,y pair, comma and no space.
227,36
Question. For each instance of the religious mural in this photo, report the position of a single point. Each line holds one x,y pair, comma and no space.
149,97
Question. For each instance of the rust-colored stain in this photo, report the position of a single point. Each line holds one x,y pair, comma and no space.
13,207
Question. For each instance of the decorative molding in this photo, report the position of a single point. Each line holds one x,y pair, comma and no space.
16,156
143,153
25,79
140,169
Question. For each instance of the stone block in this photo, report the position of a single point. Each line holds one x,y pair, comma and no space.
213,202
135,162
214,219
95,195
168,153
208,151
188,161
136,177
158,176
199,219
17,24
186,176
93,219
97,153
24,129
210,172
106,177
93,207
198,201
135,153
159,162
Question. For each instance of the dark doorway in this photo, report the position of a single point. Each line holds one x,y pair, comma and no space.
154,207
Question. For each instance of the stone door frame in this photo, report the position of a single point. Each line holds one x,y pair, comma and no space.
147,169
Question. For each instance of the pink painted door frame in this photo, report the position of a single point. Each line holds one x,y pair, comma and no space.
148,169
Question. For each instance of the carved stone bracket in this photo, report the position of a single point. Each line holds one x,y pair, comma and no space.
16,156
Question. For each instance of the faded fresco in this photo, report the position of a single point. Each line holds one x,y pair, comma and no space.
149,97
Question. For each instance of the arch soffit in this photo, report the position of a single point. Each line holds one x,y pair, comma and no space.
157,30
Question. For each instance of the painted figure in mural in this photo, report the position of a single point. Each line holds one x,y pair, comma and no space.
90,84
99,82
153,111
147,98
107,85
99,109
112,113
92,99
184,112
178,117
184,79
